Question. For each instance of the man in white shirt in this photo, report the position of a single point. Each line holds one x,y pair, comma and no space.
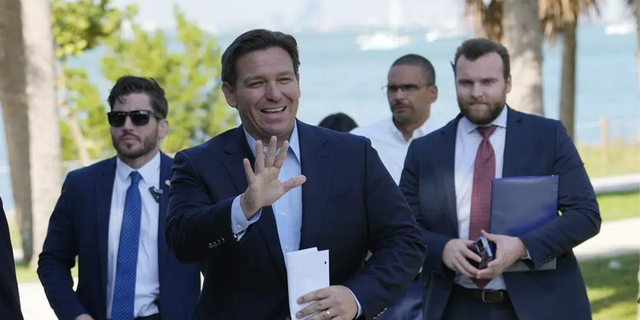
111,217
411,90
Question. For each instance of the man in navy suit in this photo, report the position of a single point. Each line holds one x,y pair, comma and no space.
323,189
9,297
447,182
111,216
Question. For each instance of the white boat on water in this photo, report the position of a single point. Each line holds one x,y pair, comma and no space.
386,40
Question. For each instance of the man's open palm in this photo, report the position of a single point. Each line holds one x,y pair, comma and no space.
264,187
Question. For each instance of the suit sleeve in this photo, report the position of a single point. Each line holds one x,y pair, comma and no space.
410,187
9,296
59,256
196,228
395,240
580,218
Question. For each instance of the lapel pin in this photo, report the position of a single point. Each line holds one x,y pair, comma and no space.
168,183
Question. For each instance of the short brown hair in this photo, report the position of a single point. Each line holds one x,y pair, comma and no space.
127,85
475,48
254,40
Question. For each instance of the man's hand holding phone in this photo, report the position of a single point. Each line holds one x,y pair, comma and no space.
456,256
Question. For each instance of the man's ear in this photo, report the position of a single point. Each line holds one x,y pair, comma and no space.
229,94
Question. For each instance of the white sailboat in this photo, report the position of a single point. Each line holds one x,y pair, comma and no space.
386,40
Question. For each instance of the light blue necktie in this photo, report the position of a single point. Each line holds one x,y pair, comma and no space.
125,287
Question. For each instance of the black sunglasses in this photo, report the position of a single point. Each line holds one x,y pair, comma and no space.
139,118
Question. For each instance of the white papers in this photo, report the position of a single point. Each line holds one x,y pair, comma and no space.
307,271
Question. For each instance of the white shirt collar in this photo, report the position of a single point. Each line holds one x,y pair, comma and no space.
419,132
294,142
500,121
148,172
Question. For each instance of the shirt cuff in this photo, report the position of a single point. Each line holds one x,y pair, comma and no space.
357,304
527,257
239,222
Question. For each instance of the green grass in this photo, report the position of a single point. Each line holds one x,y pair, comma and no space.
623,158
612,292
619,206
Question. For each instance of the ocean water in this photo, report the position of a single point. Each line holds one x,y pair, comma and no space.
336,76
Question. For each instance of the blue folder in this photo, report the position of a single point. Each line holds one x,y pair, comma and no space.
522,204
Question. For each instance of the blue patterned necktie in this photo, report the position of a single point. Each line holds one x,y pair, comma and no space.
125,287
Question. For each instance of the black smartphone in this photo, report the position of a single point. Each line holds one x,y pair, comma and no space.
486,251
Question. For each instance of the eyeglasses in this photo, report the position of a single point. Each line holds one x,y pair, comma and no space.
408,87
139,118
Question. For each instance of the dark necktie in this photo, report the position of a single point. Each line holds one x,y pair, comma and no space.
484,171
125,287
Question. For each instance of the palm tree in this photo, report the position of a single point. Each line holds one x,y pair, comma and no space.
44,128
13,97
560,18
28,101
515,23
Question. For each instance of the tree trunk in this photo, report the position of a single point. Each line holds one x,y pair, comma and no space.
13,97
46,169
523,38
568,78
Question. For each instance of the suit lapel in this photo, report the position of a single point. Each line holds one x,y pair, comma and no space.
165,175
236,150
514,141
446,172
104,190
316,166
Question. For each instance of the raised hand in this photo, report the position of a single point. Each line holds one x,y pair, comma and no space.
264,187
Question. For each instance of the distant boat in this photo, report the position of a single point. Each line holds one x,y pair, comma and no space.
385,40
620,28
382,41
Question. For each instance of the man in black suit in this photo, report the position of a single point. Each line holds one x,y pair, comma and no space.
447,182
9,297
324,189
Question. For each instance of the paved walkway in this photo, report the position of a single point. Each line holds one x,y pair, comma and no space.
617,237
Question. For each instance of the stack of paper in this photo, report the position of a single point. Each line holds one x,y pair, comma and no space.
307,271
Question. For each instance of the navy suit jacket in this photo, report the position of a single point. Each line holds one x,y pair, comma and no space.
350,205
79,227
9,298
534,146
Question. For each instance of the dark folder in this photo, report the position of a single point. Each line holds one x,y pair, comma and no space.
522,204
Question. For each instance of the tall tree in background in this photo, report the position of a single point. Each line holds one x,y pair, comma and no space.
15,112
36,169
188,70
560,18
515,23
44,129
80,26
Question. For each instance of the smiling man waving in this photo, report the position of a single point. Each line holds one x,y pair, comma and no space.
310,187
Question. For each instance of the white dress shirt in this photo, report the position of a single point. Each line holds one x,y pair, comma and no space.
287,210
147,281
390,143
468,140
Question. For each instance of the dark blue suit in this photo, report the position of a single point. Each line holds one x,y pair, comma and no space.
350,205
534,146
79,227
9,297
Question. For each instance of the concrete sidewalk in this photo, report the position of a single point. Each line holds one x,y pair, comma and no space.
615,238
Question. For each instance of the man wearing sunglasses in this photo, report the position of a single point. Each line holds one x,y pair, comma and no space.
111,217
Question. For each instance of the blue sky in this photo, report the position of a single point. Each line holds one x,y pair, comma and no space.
233,14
